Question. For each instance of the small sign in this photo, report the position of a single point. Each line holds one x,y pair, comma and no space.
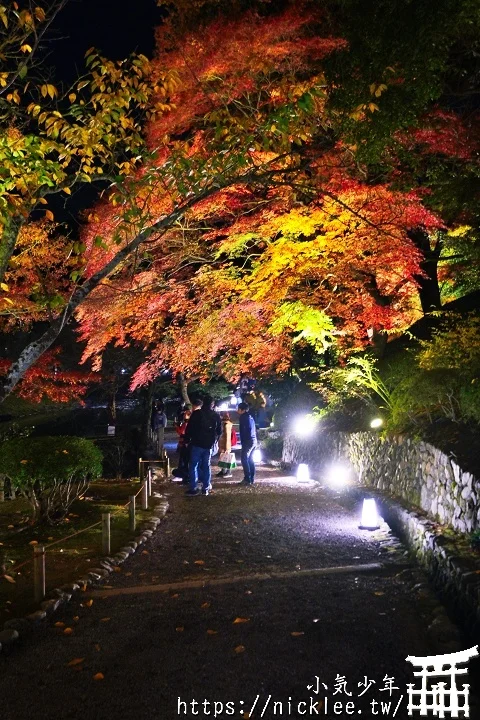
110,430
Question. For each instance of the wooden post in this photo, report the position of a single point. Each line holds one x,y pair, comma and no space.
131,513
145,496
106,533
149,481
39,572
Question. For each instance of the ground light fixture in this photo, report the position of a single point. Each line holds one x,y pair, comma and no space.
338,476
370,519
303,474
257,456
376,423
304,425
233,400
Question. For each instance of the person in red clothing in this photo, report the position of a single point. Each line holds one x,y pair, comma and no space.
182,447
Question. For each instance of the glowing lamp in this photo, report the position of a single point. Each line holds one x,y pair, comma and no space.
370,520
223,407
233,400
338,476
257,455
302,473
304,426
376,423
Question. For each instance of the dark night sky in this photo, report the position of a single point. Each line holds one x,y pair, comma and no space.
115,27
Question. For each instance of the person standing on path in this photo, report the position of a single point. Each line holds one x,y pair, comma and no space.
203,431
159,423
248,438
225,442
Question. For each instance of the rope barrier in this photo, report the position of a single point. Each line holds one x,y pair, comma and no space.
17,567
79,532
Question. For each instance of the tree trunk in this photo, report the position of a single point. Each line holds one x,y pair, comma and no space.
182,385
429,291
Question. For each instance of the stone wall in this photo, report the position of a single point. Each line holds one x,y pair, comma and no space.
407,469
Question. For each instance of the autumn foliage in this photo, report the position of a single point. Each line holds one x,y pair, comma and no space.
276,205
315,255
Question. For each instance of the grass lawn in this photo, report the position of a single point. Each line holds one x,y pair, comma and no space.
67,560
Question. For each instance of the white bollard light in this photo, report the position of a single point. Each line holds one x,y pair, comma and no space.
370,519
303,474
257,456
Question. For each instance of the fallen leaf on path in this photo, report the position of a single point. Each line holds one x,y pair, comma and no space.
9,527
128,574
199,562
205,605
379,593
99,676
296,634
145,552
239,620
240,648
68,631
105,619
117,569
33,542
77,661
59,624
180,628
107,587
240,561
51,538
97,647
88,603
83,588
9,579
212,632
76,618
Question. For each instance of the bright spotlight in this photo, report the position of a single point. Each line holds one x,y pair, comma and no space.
257,456
370,519
376,423
304,425
338,476
302,473
233,400
223,407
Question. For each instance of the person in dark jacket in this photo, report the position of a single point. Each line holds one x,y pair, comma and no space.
248,438
202,432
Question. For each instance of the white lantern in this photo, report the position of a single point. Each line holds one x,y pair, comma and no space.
338,476
257,456
376,423
370,519
302,473
304,425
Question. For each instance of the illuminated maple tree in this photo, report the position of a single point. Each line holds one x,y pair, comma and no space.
259,220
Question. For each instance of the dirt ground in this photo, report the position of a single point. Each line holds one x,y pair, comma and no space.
229,611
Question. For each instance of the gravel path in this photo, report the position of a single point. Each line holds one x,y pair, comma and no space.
150,651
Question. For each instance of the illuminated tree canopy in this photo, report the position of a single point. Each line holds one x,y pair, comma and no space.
279,188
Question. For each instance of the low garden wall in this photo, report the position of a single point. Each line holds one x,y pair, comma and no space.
420,492
407,469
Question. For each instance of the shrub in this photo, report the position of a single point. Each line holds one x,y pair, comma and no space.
51,472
